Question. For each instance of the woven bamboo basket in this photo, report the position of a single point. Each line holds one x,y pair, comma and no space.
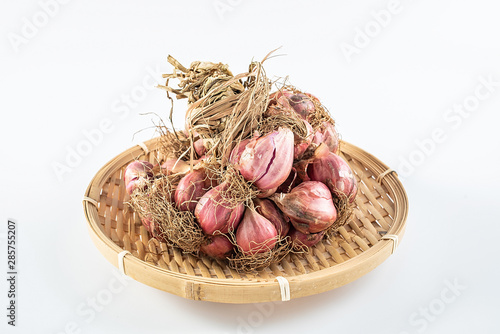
370,237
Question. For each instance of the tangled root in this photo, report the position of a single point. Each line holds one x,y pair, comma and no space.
292,122
321,115
172,144
176,228
222,107
246,262
344,212
239,190
202,79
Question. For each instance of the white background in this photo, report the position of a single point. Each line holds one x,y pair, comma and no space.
75,68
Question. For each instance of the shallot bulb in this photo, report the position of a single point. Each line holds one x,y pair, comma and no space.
218,246
332,170
255,233
269,211
215,214
199,147
328,135
300,239
190,189
309,206
279,104
137,175
301,103
174,166
200,144
266,161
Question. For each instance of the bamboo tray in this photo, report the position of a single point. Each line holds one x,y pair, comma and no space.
365,242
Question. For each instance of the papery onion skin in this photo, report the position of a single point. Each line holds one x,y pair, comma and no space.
270,211
255,233
215,214
190,189
279,104
309,206
218,246
137,175
267,160
327,135
331,137
302,144
332,170
174,166
301,103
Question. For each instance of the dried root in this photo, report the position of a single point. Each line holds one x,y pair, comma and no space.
255,262
176,228
172,144
202,79
274,122
239,190
320,115
222,107
345,210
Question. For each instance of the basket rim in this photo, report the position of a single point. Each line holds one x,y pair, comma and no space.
381,250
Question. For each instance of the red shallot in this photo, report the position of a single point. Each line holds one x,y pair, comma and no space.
255,233
309,206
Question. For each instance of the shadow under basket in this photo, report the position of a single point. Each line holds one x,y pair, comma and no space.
369,237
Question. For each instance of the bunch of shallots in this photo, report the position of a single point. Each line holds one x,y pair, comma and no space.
298,180
253,176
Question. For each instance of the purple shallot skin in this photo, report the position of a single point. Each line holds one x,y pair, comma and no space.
267,160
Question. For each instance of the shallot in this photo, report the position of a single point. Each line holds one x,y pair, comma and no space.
300,239
309,206
218,246
328,135
266,161
291,181
332,170
266,193
190,189
238,151
301,103
269,211
199,147
215,213
255,234
137,175
152,226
